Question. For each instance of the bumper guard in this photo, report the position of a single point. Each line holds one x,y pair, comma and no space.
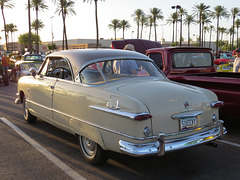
160,146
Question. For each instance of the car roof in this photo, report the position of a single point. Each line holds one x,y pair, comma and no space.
79,58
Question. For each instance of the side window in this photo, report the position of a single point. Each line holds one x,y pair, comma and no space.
58,68
157,58
91,75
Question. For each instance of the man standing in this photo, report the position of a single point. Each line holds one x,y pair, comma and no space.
236,64
5,63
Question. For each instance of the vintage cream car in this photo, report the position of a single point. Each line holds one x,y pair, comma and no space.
86,93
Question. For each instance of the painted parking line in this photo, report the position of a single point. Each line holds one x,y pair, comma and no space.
229,143
65,168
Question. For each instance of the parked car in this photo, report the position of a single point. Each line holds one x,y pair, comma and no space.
137,114
23,68
194,66
32,57
15,58
224,60
226,67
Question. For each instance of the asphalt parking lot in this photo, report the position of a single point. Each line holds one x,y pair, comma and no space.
41,151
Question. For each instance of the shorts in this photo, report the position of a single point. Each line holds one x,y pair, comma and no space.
5,68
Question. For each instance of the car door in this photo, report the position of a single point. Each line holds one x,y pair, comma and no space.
42,91
62,102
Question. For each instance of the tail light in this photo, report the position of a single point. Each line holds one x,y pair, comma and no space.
217,104
142,116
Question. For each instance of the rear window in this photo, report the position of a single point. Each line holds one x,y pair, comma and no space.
191,59
33,58
112,70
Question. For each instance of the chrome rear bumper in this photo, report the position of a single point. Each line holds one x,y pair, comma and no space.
160,146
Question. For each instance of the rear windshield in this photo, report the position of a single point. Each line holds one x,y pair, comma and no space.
112,70
191,59
32,58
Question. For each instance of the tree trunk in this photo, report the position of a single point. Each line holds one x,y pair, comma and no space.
217,35
181,32
210,38
233,35
63,25
96,17
37,43
173,34
200,28
150,32
155,28
5,28
29,26
237,39
188,35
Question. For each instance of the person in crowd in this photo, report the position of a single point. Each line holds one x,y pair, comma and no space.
5,63
14,73
236,64
125,66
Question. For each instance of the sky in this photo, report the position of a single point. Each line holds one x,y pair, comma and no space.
82,25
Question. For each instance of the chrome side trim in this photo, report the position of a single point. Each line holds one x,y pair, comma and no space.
120,113
94,125
120,133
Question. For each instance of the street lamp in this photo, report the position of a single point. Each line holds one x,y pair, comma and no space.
52,30
163,33
176,7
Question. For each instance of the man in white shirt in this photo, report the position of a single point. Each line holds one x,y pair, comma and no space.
126,66
236,64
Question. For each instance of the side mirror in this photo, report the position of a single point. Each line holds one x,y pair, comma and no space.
33,71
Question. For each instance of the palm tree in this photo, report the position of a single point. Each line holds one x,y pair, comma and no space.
230,32
5,4
7,30
171,20
211,28
234,12
143,22
156,14
137,17
218,13
65,9
38,5
115,24
205,29
221,31
96,17
205,21
150,24
124,25
29,27
37,24
61,4
198,10
188,21
12,28
237,23
182,13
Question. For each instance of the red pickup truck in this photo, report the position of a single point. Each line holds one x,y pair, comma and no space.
193,65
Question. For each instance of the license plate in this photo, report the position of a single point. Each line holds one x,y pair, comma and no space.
188,123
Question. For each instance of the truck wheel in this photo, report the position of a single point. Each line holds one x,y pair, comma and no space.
92,152
5,80
26,114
